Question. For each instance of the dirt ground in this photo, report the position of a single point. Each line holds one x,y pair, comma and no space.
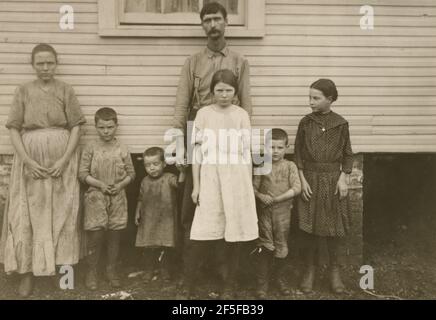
401,272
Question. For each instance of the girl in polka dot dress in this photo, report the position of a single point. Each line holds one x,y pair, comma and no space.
324,159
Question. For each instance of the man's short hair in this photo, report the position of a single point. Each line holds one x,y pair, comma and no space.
279,134
155,151
212,8
106,114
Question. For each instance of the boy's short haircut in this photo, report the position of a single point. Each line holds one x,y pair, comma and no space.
212,8
279,134
155,151
106,114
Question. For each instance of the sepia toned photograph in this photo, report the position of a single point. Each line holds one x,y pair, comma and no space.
242,150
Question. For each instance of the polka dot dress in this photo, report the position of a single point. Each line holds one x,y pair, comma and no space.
322,151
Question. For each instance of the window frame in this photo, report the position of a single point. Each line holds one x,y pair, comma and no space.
110,25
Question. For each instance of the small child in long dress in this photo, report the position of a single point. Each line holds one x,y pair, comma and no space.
156,214
276,192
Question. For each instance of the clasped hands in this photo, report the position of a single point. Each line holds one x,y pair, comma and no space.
111,189
39,172
266,199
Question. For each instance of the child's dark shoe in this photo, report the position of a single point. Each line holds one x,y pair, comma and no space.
91,280
306,285
336,282
165,274
280,276
25,288
113,277
264,260
283,287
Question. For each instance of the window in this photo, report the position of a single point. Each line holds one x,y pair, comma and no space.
178,12
176,18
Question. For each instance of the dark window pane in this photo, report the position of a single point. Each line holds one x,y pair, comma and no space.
181,6
143,6
230,5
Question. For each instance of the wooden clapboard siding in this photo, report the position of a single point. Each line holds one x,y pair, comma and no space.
386,77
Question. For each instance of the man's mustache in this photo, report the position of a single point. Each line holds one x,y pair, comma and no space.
213,30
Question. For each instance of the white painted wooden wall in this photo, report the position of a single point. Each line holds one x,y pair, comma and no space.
386,77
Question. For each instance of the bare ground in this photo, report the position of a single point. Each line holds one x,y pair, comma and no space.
401,272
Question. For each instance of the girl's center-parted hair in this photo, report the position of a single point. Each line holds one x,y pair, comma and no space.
106,114
327,87
43,47
225,76
155,151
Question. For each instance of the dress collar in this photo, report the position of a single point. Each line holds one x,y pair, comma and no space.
48,89
327,121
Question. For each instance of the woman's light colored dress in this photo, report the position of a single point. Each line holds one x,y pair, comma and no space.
227,208
41,227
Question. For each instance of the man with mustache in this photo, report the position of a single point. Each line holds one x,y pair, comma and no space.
193,91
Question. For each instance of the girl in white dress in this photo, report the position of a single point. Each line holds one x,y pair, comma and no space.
225,215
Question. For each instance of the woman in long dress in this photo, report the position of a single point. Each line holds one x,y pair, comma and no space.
40,228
